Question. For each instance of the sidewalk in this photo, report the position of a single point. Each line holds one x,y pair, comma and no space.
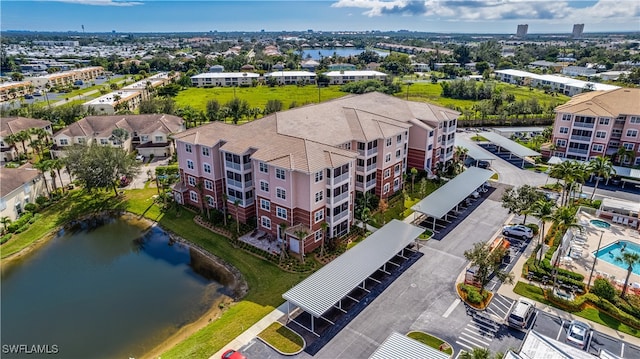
246,336
507,291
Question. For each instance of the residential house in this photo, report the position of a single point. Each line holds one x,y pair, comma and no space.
11,126
291,77
18,186
297,169
343,77
599,123
224,79
148,134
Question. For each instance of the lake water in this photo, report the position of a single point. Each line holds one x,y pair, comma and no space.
116,291
316,54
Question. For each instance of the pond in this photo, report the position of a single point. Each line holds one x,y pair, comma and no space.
318,54
114,291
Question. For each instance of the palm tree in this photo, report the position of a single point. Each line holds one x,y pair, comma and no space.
43,167
622,155
601,167
302,235
365,217
57,164
283,228
629,259
564,218
22,136
543,210
10,140
324,225
414,173
236,203
5,221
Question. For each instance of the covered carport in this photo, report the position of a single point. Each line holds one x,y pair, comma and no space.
625,174
444,199
512,147
330,285
401,346
474,151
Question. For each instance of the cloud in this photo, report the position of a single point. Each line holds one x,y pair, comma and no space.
491,10
100,2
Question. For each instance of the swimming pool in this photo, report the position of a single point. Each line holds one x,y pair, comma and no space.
610,252
600,224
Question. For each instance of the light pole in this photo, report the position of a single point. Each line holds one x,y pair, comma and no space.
595,260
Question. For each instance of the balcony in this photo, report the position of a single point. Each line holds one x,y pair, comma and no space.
584,124
360,168
234,183
248,184
336,180
581,138
247,166
372,167
338,216
337,199
229,164
577,151
370,184
372,151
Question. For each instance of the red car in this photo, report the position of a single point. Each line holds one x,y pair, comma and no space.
232,354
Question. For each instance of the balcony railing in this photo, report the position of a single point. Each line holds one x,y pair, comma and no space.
581,138
234,183
337,199
339,216
248,184
372,167
370,184
360,168
584,124
335,180
247,166
229,164
372,151
577,150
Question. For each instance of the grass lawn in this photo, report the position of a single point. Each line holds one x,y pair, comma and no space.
282,338
266,281
431,341
534,292
257,96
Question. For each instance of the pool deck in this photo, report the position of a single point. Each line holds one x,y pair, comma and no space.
581,259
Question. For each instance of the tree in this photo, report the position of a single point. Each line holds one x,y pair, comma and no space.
414,173
23,136
601,167
214,110
302,235
236,204
629,259
383,206
17,76
100,167
365,217
237,109
43,167
57,165
5,221
487,262
120,135
623,155
520,200
272,106
480,353
564,218
542,209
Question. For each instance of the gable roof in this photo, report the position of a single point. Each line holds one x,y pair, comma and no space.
12,125
623,101
102,126
14,178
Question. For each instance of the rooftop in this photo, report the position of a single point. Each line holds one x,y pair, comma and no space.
621,101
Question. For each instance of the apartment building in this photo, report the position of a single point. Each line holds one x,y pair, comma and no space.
565,85
343,77
224,79
67,78
13,125
18,187
14,90
598,123
297,171
148,134
291,77
155,81
112,102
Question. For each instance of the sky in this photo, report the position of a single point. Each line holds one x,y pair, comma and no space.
440,16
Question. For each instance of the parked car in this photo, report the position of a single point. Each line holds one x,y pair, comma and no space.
578,334
139,158
78,82
483,164
28,97
521,313
518,230
233,354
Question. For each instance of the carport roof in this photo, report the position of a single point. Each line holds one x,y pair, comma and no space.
511,146
627,172
324,288
475,151
401,346
453,192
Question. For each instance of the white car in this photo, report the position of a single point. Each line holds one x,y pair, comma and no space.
578,334
518,231
139,158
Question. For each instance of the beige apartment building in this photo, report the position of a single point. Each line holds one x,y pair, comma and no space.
67,78
14,90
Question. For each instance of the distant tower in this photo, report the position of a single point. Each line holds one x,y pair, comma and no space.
577,30
522,30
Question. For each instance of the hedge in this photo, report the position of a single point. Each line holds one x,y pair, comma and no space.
591,299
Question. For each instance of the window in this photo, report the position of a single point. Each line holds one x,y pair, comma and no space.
263,167
389,142
190,164
597,148
564,130
318,216
396,183
387,173
281,212
318,235
281,193
210,201
280,173
386,188
207,168
81,140
208,185
159,139
318,196
398,153
566,117
265,205
193,196
632,133
265,222
561,143
399,139
318,176
628,146
634,119
601,134
64,142
396,169
264,186
387,158
104,141
205,151
187,148
192,180
603,121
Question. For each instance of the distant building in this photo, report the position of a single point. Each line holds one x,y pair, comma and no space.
578,71
309,65
343,77
522,30
18,186
14,89
292,77
420,67
67,78
577,30
224,79
56,43
216,68
112,102
565,85
341,67
11,126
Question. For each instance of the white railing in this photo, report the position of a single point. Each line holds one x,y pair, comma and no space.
234,183
372,151
372,167
229,164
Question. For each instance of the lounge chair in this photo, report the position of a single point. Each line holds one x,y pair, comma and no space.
625,221
634,224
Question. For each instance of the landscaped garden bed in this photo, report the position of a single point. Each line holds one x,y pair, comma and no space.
431,341
282,339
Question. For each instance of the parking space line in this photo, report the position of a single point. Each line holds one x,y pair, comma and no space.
487,337
473,340
622,350
451,308
560,330
464,345
482,327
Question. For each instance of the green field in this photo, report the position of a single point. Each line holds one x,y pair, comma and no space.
257,96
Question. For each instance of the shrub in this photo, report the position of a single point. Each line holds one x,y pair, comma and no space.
5,238
41,200
24,219
603,289
31,207
474,297
534,227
